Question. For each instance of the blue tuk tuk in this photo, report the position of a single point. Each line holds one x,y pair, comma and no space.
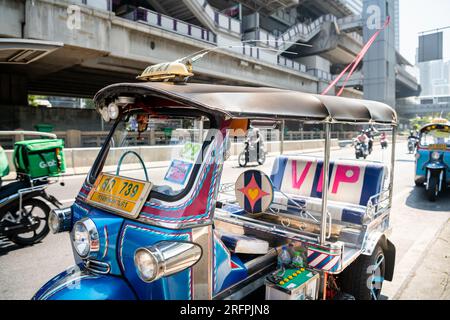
138,233
433,158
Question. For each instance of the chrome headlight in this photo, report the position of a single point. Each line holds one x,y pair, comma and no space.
85,238
165,258
146,264
60,220
435,156
113,111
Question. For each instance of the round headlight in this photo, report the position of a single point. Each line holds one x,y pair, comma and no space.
85,238
60,220
435,155
146,264
53,222
113,111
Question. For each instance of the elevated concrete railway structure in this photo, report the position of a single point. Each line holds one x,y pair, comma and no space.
74,51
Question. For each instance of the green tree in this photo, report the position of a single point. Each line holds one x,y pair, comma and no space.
32,99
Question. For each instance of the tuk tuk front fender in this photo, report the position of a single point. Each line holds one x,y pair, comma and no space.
81,284
434,165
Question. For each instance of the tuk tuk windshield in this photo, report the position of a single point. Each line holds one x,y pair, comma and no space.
163,151
435,137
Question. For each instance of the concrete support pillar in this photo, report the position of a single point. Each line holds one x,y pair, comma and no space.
13,89
73,139
380,60
152,137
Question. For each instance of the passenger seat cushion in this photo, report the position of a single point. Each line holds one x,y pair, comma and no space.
353,182
339,211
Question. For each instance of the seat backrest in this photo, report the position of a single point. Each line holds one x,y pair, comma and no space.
350,181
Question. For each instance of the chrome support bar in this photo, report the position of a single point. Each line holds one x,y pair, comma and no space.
326,170
391,177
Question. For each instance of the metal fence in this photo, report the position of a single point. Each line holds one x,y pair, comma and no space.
92,139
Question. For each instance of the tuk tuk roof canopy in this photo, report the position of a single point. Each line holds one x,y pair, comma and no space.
256,103
437,126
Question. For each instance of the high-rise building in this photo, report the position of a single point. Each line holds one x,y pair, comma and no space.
435,78
396,23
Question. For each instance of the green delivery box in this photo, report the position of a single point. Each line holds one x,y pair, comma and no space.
39,158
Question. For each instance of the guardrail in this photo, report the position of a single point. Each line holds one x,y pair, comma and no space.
221,20
8,138
161,21
291,64
94,139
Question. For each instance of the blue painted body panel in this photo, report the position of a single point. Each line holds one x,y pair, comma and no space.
136,235
77,283
228,269
119,239
108,226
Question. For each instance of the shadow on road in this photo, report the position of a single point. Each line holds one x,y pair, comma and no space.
418,199
7,246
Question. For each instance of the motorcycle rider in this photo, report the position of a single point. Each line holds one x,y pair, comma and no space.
383,140
371,135
413,137
364,140
254,139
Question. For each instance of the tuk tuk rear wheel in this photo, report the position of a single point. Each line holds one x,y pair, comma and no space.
433,188
364,278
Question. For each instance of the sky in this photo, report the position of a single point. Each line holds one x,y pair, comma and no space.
422,15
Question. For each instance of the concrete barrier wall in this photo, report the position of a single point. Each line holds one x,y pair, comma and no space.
80,160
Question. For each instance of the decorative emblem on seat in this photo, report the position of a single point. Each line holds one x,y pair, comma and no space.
254,191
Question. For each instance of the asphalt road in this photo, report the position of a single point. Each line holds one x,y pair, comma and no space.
416,224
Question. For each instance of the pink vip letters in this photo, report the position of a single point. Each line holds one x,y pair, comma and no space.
343,174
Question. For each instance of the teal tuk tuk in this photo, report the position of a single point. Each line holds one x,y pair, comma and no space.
433,158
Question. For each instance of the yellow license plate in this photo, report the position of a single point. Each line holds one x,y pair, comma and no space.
438,147
121,195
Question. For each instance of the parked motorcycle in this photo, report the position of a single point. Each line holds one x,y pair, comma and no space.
361,150
23,213
24,209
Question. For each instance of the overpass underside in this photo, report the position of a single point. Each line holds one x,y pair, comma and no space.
104,49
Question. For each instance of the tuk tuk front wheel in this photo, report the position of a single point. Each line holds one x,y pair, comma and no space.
433,188
364,279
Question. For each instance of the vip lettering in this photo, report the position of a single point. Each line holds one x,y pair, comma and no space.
194,310
345,174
